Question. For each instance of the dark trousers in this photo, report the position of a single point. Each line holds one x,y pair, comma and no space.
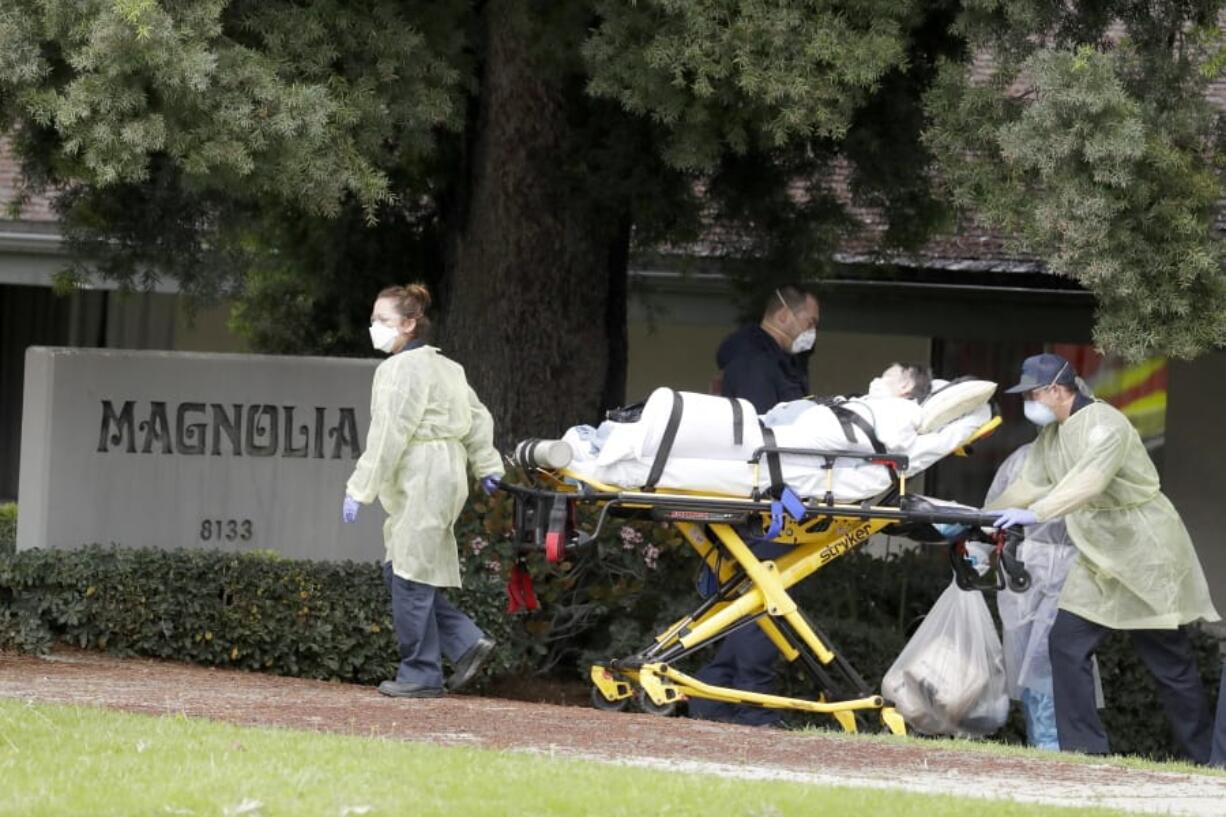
1218,756
746,661
1168,656
428,627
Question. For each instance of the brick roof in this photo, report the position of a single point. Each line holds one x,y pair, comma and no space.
971,246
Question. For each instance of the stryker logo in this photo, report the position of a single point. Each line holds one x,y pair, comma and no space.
257,431
851,541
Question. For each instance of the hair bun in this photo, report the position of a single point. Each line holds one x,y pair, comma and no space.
419,293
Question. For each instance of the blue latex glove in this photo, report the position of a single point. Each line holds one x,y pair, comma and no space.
951,530
349,510
490,484
1016,516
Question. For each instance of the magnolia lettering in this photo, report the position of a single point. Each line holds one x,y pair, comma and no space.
213,429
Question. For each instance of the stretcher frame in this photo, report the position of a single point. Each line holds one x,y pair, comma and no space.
753,591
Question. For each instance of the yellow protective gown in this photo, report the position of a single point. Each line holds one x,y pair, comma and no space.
426,425
1136,567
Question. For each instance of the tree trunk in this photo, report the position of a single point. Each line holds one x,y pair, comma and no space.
535,294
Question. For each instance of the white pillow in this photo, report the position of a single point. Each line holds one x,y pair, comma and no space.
954,401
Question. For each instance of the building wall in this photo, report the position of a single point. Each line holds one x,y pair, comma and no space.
206,330
1195,456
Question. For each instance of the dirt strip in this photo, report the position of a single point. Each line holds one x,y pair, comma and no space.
674,744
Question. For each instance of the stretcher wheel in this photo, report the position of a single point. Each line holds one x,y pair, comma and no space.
1019,583
651,707
599,701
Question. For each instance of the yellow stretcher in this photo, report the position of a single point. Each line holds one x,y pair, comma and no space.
751,591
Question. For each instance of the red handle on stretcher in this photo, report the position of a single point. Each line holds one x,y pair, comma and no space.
554,546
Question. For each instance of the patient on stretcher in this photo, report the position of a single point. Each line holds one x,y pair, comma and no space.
713,439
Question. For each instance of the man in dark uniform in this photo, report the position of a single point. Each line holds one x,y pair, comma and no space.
764,363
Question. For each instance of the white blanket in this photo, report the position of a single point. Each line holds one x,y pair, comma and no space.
705,457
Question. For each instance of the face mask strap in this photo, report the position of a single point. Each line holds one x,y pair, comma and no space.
785,304
793,313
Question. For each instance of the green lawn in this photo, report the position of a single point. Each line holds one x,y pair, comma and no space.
58,760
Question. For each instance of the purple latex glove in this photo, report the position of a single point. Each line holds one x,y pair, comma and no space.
490,484
1016,516
349,510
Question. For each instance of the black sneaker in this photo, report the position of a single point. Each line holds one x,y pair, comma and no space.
471,661
397,689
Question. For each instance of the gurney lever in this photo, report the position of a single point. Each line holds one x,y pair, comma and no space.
776,526
791,503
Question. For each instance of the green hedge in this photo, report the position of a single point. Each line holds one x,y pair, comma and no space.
8,528
252,611
259,611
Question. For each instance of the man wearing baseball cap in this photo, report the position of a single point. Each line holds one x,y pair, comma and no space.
1136,570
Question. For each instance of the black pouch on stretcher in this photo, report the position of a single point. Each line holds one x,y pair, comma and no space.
545,523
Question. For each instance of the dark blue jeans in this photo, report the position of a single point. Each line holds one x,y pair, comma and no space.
428,627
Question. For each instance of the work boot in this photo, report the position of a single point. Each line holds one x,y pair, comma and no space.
399,689
466,668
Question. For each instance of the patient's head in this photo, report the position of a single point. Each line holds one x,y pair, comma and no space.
909,380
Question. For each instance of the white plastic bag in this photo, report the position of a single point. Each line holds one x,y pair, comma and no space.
950,677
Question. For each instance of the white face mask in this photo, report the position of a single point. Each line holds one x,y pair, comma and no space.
1038,413
804,341
383,337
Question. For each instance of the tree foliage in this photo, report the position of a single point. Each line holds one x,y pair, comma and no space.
734,76
314,105
299,154
304,102
1091,139
760,102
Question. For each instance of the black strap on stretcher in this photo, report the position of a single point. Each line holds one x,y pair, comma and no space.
670,436
738,422
850,421
772,464
666,444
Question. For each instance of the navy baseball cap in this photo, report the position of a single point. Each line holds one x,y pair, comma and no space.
1044,370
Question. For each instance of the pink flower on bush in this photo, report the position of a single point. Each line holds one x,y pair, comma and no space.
631,538
477,545
651,555
493,566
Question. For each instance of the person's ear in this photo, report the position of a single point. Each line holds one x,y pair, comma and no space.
407,325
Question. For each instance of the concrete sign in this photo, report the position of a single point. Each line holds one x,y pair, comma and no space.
166,450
